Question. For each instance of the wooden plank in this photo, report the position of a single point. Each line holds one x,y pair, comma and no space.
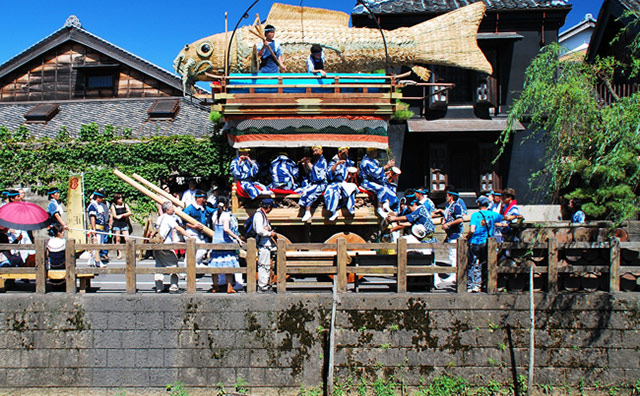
462,258
131,265
41,267
70,265
614,273
373,270
281,262
297,270
402,266
191,266
341,248
552,266
492,266
252,258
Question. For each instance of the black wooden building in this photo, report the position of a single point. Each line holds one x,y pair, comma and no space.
452,138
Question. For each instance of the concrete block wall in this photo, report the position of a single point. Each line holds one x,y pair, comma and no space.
144,342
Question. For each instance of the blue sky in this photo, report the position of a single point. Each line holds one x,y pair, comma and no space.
157,30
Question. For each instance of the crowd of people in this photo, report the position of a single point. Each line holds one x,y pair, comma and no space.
337,182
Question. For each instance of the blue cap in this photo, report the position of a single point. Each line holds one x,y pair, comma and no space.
483,201
200,195
495,193
455,194
98,194
53,191
422,191
268,203
13,194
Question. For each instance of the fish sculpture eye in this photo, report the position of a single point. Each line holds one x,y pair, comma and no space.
205,49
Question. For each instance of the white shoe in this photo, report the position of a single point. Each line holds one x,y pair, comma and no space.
306,217
382,213
334,216
173,289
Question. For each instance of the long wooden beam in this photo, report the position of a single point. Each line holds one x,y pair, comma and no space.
174,200
208,231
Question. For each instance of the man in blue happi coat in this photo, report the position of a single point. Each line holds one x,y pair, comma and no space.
341,191
245,170
284,173
270,60
422,194
317,169
374,179
202,213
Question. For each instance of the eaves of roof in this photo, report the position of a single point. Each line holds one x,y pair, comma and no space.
82,36
442,6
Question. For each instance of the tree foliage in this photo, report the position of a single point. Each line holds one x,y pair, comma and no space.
44,163
593,149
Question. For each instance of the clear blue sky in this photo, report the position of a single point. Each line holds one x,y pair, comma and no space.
157,30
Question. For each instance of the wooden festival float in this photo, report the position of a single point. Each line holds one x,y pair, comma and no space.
290,112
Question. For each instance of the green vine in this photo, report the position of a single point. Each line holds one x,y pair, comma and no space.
44,163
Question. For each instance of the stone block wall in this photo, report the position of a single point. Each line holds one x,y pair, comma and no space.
84,342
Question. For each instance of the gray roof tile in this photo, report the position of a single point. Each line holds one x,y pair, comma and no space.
441,6
192,118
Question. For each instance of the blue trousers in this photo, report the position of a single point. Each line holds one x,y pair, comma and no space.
477,264
335,198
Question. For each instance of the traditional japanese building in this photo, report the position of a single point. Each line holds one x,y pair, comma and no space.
452,137
612,19
73,78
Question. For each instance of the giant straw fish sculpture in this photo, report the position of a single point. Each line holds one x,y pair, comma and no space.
449,39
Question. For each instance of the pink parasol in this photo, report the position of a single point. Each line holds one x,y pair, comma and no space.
23,216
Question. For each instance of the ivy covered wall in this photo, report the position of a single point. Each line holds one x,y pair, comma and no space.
43,163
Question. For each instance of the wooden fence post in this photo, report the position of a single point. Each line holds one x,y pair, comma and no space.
41,267
70,266
190,259
492,265
281,263
131,265
552,265
341,255
462,260
402,266
252,258
614,271
191,265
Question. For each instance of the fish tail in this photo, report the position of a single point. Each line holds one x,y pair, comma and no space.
451,39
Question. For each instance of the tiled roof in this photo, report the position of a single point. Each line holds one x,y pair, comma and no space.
75,32
631,4
440,6
192,118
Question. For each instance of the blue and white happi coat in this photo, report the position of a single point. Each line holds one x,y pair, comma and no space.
421,216
317,183
284,173
335,195
374,180
245,172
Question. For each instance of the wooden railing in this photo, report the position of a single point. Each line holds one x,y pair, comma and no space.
342,260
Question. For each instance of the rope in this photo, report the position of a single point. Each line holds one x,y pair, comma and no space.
107,233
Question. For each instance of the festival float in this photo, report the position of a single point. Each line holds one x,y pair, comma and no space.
350,106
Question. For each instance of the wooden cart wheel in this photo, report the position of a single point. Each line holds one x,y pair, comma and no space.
350,237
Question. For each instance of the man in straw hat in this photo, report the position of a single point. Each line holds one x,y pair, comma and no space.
374,179
269,62
245,170
341,191
317,168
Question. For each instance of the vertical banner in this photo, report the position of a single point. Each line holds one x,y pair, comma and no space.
75,209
